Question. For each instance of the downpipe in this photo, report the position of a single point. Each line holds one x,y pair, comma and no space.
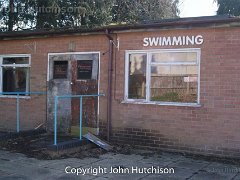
109,91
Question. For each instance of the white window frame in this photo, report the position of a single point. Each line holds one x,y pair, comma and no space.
148,75
16,65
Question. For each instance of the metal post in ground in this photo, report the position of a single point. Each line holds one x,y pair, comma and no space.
81,110
55,119
18,114
80,121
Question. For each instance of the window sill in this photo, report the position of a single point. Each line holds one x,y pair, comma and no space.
162,103
15,97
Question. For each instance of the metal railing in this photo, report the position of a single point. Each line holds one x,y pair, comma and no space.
81,109
17,96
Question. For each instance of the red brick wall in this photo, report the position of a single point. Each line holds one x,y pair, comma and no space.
33,111
211,128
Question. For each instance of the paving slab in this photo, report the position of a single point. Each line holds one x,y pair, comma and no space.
12,156
223,168
107,163
70,177
179,173
101,178
172,156
21,169
4,173
18,166
124,176
204,175
15,177
162,163
228,171
134,157
3,152
237,177
62,164
85,161
190,164
162,177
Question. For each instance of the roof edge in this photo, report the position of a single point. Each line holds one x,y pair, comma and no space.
164,23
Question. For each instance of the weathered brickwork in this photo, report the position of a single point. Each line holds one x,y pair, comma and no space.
212,128
33,110
155,140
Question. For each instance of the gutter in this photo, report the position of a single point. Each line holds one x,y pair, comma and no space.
109,90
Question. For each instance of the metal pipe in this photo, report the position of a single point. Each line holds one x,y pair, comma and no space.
79,96
18,93
55,120
115,73
80,123
109,91
18,114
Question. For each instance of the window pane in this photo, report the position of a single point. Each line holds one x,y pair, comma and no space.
16,60
174,83
84,69
174,57
60,69
137,76
15,79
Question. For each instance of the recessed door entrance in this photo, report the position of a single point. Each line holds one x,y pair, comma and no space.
74,74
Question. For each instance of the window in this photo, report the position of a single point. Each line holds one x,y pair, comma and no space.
163,76
137,76
60,69
15,73
84,69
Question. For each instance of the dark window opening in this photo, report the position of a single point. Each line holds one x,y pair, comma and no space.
137,76
15,79
84,69
60,69
15,60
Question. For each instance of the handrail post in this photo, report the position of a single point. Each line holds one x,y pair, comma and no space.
18,114
80,122
55,119
80,116
18,104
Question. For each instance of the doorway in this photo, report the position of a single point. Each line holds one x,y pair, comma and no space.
74,74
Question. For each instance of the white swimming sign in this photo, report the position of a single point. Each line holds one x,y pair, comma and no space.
173,41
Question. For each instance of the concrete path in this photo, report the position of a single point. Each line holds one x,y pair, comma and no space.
15,166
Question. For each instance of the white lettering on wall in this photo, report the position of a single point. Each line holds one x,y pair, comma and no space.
154,41
177,41
173,41
199,40
166,41
145,42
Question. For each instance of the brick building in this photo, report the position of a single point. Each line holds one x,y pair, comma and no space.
171,85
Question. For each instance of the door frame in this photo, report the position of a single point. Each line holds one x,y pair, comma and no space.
99,70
